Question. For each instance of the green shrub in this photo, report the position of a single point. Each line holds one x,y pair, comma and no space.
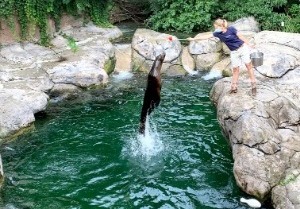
182,15
270,14
198,15
292,22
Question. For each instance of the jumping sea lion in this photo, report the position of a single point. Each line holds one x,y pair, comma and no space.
152,93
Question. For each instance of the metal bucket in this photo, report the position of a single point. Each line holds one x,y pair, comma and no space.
257,58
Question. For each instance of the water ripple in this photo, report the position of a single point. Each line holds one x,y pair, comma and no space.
91,156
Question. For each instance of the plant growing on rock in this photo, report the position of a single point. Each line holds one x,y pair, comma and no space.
71,43
38,12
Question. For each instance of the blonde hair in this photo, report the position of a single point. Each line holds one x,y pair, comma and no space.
221,23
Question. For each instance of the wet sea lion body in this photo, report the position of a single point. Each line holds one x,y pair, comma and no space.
152,93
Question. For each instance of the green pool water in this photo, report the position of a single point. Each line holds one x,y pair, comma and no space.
88,154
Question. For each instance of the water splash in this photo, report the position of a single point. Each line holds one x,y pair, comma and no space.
123,75
213,74
189,70
148,145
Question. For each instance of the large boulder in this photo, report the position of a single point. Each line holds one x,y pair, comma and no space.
286,194
21,67
26,54
246,24
264,130
17,109
29,71
210,51
147,44
188,61
207,61
87,67
281,52
205,52
123,57
90,32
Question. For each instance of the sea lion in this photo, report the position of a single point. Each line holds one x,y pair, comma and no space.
152,93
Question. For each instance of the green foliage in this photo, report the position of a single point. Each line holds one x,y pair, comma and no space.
292,21
37,12
288,179
71,43
6,8
182,15
270,14
279,15
99,12
57,12
7,11
198,15
22,17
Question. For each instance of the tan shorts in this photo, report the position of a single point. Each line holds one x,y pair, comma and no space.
240,56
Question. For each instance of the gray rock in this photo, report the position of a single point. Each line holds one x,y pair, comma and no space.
80,73
123,57
17,108
16,54
264,134
147,44
286,194
28,71
255,171
206,46
28,78
246,24
90,32
207,61
64,91
223,67
281,52
87,67
187,61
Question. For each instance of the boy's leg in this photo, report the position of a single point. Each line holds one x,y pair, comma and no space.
252,78
250,72
235,78
235,63
249,66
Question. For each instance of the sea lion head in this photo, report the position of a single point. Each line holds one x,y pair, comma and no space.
159,53
161,56
158,62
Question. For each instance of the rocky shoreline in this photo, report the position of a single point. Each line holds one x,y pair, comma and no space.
263,131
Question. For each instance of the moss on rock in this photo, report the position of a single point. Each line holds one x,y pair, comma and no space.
109,65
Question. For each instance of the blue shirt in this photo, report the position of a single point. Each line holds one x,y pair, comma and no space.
230,38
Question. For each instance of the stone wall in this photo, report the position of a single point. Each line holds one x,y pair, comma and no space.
11,34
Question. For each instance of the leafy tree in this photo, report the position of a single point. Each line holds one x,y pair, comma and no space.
293,18
182,15
198,15
272,15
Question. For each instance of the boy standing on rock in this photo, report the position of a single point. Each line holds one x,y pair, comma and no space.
239,51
